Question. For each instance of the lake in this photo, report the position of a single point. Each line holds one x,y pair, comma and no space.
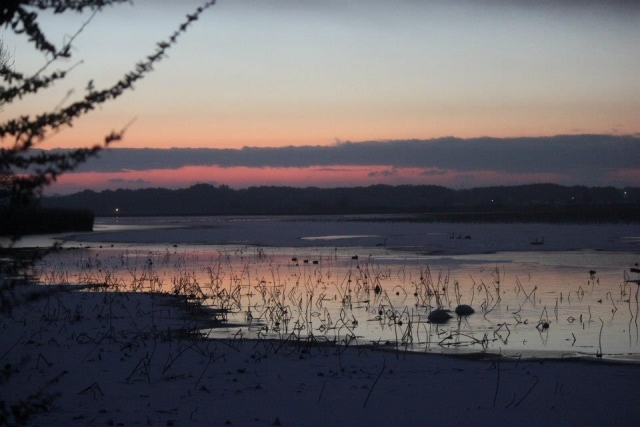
556,290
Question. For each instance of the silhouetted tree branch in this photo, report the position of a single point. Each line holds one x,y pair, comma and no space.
24,172
19,135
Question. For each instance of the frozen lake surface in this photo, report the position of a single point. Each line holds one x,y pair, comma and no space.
537,289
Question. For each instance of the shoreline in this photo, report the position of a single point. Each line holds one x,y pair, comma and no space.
137,358
124,362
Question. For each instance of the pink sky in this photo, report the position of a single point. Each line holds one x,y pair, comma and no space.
281,73
241,177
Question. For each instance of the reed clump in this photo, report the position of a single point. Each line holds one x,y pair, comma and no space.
339,299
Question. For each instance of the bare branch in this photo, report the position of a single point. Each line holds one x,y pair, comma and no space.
36,169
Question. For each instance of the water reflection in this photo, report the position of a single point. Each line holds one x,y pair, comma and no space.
561,303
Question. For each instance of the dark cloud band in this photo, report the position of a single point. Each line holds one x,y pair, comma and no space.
577,155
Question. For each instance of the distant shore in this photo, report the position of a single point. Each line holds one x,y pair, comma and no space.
527,203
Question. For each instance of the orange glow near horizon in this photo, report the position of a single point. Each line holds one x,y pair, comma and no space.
247,77
199,129
202,137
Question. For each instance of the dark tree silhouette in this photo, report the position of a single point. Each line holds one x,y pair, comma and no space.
24,172
19,135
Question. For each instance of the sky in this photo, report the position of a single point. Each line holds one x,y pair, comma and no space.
285,87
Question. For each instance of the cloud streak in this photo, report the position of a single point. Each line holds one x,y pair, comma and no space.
123,181
576,155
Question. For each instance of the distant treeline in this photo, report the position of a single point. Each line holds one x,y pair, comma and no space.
17,222
536,202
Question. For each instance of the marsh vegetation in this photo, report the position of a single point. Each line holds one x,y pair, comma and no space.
561,303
